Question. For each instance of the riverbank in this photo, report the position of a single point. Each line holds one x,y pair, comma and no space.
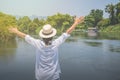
112,28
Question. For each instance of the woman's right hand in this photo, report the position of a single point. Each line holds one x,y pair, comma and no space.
13,29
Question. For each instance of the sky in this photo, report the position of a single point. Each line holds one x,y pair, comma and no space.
51,7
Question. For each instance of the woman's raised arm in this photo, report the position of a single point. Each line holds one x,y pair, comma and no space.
76,22
17,32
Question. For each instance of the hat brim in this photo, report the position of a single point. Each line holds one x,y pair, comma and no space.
47,36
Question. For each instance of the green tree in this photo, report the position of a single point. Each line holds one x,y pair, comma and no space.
60,21
64,25
32,27
41,23
93,18
103,23
119,17
36,20
117,7
5,22
89,21
23,24
110,8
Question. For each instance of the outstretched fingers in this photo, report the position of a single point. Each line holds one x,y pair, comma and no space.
79,20
12,29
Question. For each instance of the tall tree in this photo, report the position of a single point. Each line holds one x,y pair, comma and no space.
36,20
117,7
94,17
23,24
110,8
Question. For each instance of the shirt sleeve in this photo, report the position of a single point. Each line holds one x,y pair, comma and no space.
61,39
32,41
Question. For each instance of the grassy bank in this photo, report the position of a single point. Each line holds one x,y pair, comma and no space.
112,28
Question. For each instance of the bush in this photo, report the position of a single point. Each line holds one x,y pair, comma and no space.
5,22
103,23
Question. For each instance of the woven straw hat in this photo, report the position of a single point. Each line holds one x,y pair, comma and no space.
47,31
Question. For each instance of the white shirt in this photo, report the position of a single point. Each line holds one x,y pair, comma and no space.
47,63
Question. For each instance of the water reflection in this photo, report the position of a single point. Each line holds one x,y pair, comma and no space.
72,40
114,48
7,50
100,35
111,36
94,44
9,44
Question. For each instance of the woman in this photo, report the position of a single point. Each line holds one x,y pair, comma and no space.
47,63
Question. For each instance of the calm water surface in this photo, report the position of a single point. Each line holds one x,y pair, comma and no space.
81,58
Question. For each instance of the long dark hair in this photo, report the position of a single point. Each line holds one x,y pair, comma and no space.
47,41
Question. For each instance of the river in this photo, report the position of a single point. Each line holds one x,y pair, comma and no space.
82,57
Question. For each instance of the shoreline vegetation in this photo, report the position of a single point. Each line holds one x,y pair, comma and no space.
61,22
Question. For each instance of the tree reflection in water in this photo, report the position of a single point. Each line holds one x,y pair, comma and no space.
114,48
7,50
94,44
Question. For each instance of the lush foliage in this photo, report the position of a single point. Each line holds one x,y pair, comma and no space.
103,23
109,24
24,24
114,13
93,18
5,22
29,26
59,21
112,28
